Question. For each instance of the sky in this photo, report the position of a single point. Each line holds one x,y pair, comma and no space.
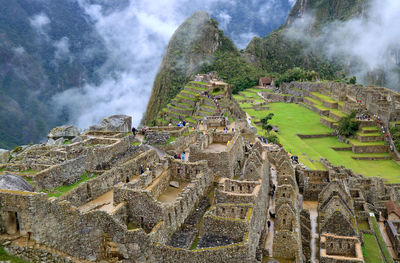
136,34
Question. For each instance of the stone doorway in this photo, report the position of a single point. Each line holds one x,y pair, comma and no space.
12,223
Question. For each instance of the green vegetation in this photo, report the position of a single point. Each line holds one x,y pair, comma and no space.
348,126
17,149
395,133
186,53
293,119
172,139
5,257
30,171
296,74
371,251
57,192
381,242
235,70
136,143
67,142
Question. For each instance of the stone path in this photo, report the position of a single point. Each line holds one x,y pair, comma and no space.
104,202
386,239
270,236
312,207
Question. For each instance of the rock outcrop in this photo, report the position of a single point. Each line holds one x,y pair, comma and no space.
115,123
65,131
4,156
14,182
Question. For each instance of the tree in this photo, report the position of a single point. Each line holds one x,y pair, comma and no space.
348,126
264,122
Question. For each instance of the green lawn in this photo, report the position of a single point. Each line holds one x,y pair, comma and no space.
380,240
323,97
371,250
293,119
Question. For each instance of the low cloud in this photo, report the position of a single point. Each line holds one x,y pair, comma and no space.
40,22
369,45
62,49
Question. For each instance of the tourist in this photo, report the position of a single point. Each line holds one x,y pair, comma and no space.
184,123
134,131
169,124
175,156
127,179
141,169
179,157
183,156
269,224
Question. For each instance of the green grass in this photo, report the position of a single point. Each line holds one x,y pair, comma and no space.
250,95
381,242
135,143
196,88
371,128
5,257
371,250
30,171
338,112
67,142
172,138
57,192
369,134
323,97
358,143
293,119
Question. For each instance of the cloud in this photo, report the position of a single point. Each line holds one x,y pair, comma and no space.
62,49
136,36
19,50
369,45
224,19
40,22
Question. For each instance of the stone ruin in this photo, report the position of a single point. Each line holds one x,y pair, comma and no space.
234,199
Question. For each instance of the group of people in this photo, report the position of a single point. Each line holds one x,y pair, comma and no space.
384,131
179,124
180,156
135,131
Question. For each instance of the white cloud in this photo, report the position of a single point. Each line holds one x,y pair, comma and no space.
224,19
62,48
19,50
40,22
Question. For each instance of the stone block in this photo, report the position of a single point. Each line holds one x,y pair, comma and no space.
66,131
117,123
4,156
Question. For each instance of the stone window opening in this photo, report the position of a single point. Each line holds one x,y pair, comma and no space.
240,187
233,188
223,209
178,171
233,211
141,221
284,221
169,218
284,195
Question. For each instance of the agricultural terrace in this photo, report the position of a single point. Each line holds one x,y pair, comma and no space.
293,119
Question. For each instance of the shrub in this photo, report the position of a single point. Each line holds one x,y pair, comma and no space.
348,126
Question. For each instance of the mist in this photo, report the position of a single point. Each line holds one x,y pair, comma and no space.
136,34
368,45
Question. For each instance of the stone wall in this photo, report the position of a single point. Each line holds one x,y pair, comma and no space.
104,183
370,148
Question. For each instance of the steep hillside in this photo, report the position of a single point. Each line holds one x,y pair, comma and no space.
193,43
43,50
277,52
197,46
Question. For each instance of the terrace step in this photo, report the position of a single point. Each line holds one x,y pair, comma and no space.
371,158
369,137
194,89
322,112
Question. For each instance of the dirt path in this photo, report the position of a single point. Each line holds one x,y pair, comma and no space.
103,203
